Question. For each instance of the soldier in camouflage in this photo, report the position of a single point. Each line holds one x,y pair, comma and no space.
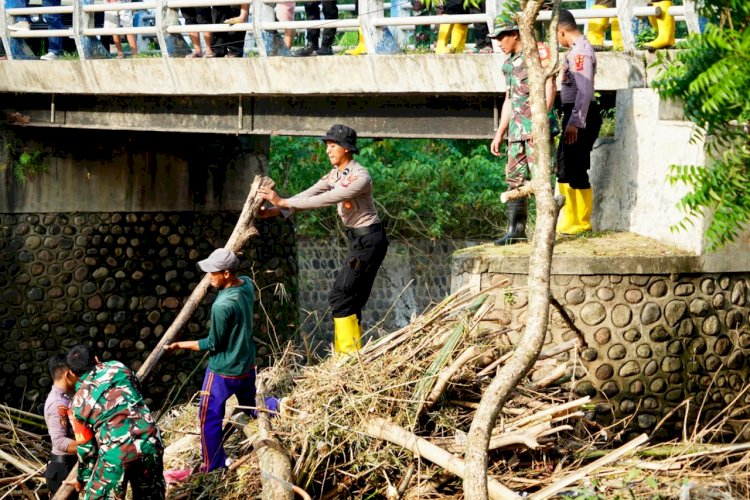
118,441
515,118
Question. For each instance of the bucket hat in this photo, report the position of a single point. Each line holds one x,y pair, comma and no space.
344,136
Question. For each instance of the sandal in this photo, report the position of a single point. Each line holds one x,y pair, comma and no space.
194,55
209,55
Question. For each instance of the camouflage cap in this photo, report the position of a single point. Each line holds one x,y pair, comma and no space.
503,28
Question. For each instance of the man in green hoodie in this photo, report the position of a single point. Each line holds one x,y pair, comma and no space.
231,361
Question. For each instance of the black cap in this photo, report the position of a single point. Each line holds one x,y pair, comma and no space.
344,136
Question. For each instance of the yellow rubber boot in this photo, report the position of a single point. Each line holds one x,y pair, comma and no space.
346,336
360,48
664,28
583,203
616,35
567,218
458,38
441,47
597,29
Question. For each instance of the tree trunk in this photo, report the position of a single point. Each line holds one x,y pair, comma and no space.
540,262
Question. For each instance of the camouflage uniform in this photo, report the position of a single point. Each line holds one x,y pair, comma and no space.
128,448
521,150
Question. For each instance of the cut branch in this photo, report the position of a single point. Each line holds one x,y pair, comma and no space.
516,194
588,469
380,428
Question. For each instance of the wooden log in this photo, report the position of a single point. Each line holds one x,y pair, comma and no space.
242,232
275,466
515,194
381,428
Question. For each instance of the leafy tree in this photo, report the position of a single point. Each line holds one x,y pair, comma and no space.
424,188
710,77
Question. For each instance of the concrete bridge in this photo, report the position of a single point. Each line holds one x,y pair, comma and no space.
383,96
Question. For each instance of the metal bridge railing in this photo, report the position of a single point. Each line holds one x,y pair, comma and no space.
382,32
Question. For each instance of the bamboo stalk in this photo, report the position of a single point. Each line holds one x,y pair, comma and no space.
17,463
382,429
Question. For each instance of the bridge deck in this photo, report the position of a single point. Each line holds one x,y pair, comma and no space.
277,76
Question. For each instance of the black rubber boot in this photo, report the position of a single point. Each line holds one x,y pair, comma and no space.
517,215
307,50
326,44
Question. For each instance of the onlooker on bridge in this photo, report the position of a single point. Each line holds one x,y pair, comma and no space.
458,32
598,27
312,12
198,15
54,22
230,43
581,124
515,118
63,457
664,26
349,186
120,19
284,12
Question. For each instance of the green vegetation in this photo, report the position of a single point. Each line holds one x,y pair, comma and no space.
423,188
710,77
24,159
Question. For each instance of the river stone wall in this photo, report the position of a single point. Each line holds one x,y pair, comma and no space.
117,280
654,340
412,277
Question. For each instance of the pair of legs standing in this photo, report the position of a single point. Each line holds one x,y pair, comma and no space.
353,285
121,19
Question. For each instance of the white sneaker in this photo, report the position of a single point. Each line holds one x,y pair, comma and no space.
20,26
50,56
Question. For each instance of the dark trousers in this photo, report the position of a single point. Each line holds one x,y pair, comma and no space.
574,160
355,278
57,470
231,42
312,12
145,475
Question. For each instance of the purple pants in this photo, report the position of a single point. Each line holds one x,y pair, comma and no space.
216,390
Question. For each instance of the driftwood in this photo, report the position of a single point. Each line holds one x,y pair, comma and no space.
382,429
243,231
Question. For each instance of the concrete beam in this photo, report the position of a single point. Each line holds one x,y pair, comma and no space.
264,76
457,116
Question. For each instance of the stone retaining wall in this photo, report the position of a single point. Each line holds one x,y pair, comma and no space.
654,340
411,278
117,280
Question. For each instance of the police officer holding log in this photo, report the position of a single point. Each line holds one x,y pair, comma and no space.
348,185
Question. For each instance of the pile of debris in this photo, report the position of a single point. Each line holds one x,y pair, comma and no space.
393,421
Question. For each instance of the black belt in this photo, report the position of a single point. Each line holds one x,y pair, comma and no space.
353,232
63,459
